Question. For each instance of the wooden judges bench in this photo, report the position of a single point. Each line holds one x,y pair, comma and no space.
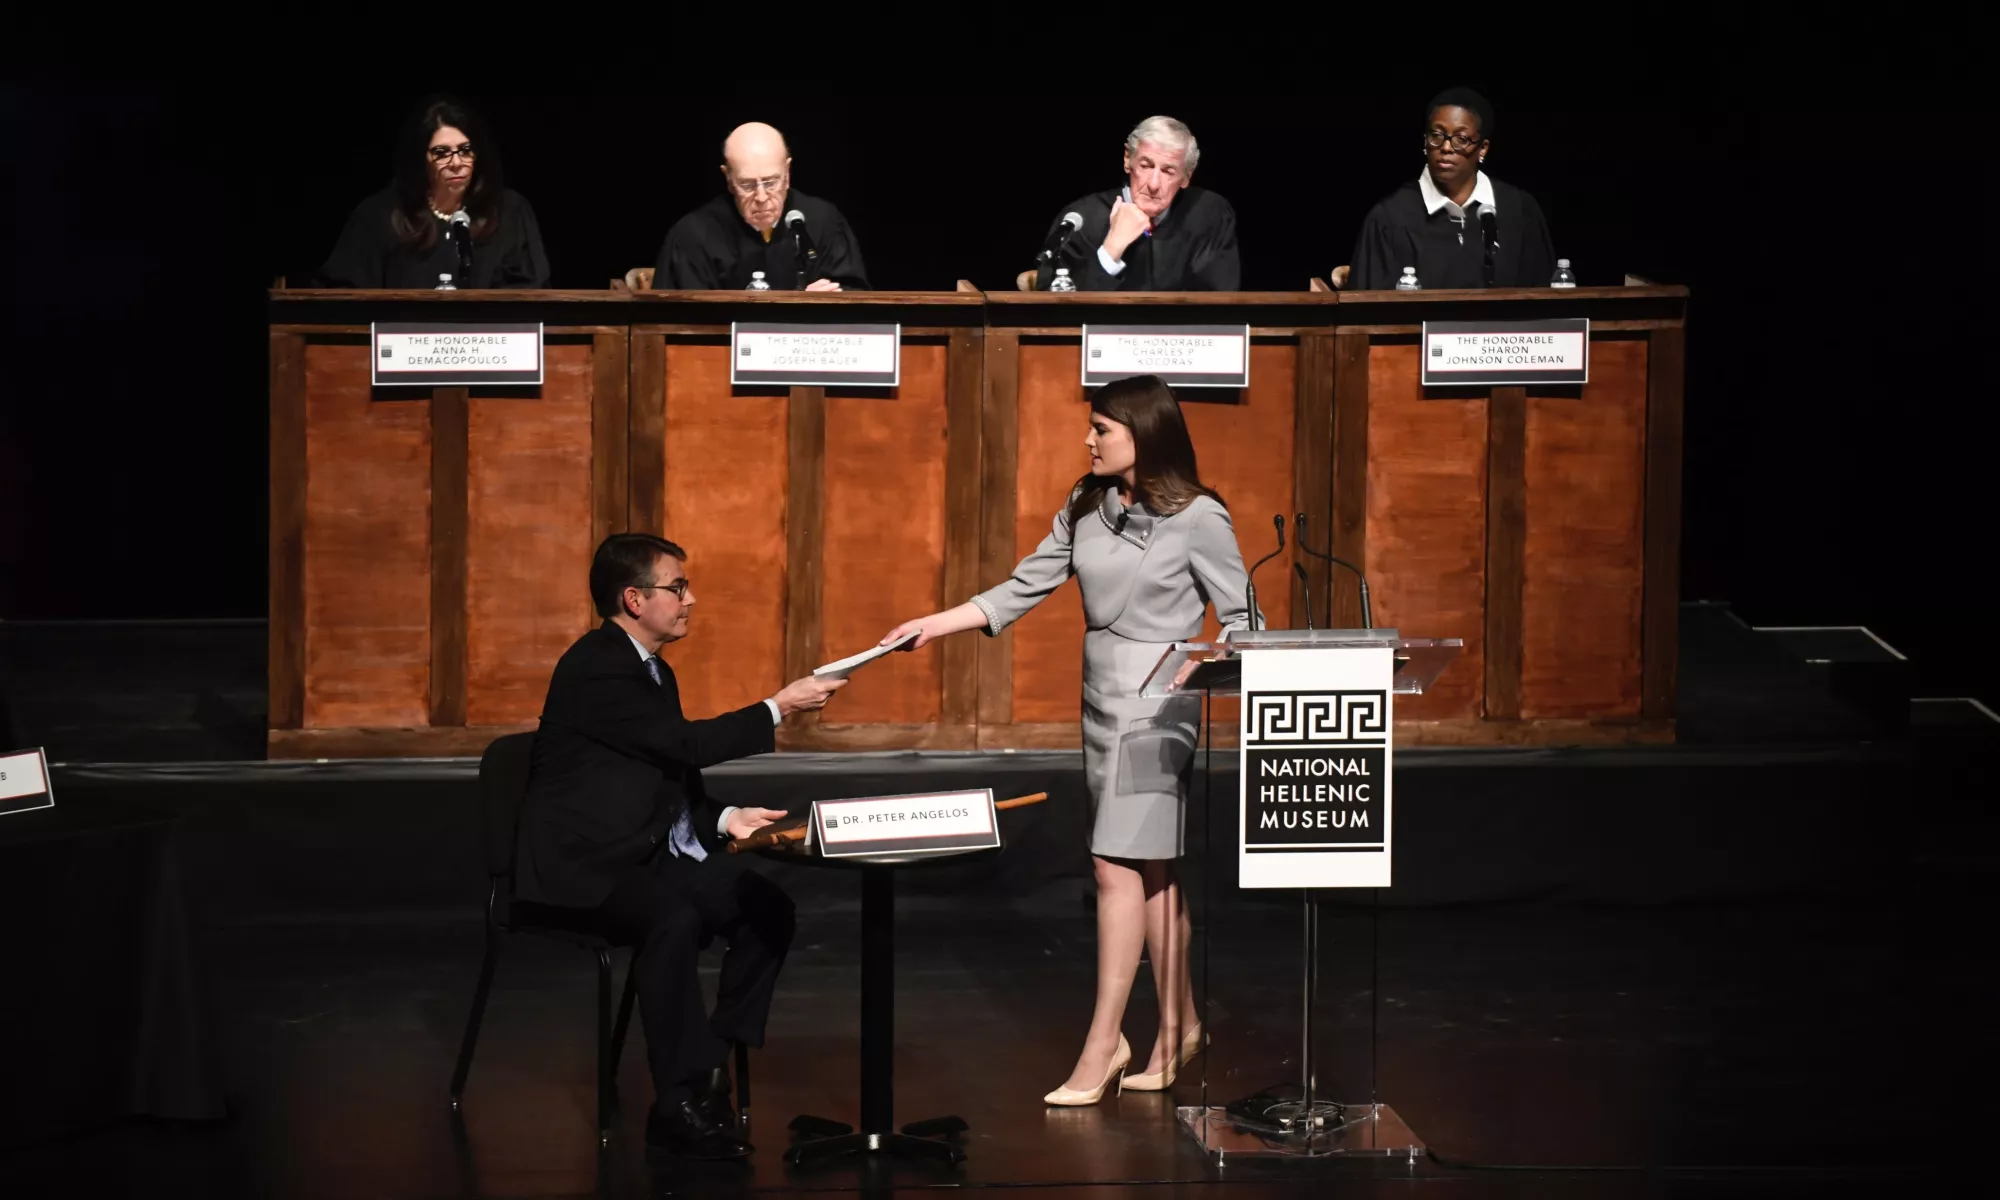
429,547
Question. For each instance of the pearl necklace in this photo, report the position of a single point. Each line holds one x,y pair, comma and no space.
444,216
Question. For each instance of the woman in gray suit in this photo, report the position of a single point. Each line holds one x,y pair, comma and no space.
1151,548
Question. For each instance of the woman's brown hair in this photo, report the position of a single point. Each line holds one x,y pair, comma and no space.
412,221
1164,476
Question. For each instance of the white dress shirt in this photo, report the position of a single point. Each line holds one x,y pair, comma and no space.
1482,198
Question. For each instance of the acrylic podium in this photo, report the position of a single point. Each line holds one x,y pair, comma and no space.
1314,810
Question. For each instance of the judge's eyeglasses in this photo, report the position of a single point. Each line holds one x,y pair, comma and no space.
1437,138
678,587
464,150
750,187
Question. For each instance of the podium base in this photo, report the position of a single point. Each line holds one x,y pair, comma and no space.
1361,1130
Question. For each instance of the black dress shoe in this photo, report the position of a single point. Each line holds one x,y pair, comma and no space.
712,1097
686,1130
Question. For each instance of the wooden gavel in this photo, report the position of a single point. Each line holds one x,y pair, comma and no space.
769,836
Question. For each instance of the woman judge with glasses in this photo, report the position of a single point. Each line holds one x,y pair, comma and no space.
1151,548
446,213
748,228
1457,225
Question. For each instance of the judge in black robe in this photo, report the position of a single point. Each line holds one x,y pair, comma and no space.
403,236
1158,233
1458,226
712,248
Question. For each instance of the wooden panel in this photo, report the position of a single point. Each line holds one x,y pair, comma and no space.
1053,420
287,611
805,514
610,467
1426,536
646,433
367,531
963,522
529,547
1506,547
1661,615
1350,468
885,538
1312,464
449,410
999,419
1581,594
725,487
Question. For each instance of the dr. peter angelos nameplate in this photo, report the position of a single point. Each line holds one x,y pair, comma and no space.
24,782
1316,763
1183,355
796,354
923,823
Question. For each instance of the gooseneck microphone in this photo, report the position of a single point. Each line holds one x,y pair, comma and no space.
1304,585
1367,614
1489,237
460,233
1070,223
808,253
1250,583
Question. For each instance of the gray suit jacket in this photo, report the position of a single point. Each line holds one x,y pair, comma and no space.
1144,577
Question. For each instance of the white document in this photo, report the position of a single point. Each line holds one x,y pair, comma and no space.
846,666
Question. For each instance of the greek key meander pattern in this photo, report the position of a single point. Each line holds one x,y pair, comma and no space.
1299,718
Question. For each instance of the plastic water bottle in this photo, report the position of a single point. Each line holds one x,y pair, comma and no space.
1408,283
757,283
1564,277
1062,282
444,282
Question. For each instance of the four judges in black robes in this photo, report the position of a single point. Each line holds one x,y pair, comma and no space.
405,236
1157,233
1457,225
745,230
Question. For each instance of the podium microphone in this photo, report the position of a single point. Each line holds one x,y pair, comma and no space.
1489,236
1299,570
1250,583
1071,222
808,253
1367,613
460,232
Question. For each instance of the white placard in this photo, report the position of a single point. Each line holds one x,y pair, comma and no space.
24,782
456,353
915,824
1183,355
1506,352
807,355
1314,805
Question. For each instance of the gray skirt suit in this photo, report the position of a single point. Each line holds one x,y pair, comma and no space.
1146,579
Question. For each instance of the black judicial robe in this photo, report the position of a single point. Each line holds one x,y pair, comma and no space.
712,249
370,255
1399,233
1193,250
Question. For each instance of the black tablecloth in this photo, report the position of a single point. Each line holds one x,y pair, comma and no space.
103,1014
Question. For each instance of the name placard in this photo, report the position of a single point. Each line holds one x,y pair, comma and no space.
1316,768
804,355
1183,355
24,782
455,354
1506,352
921,823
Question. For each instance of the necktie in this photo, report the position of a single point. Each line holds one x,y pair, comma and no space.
682,840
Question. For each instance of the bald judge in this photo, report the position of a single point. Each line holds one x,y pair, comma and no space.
760,223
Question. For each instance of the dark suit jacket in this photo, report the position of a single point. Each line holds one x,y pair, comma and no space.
615,763
1193,251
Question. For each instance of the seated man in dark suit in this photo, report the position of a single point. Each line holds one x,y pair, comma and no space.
616,820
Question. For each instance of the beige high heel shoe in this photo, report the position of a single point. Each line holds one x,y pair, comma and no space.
1160,1081
1069,1097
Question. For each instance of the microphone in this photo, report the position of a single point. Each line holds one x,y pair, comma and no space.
1489,234
1070,223
1250,582
460,232
1367,613
1299,570
808,253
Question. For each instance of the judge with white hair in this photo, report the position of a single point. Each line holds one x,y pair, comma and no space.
1156,233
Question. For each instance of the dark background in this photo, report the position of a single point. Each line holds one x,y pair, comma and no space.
1839,463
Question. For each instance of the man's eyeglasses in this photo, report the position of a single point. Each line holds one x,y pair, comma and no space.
444,154
1437,139
678,587
750,187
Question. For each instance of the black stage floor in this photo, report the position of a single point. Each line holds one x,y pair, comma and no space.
1748,964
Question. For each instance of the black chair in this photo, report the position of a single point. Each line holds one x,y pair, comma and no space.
503,782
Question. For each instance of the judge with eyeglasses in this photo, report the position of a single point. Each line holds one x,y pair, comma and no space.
446,218
760,222
1458,226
